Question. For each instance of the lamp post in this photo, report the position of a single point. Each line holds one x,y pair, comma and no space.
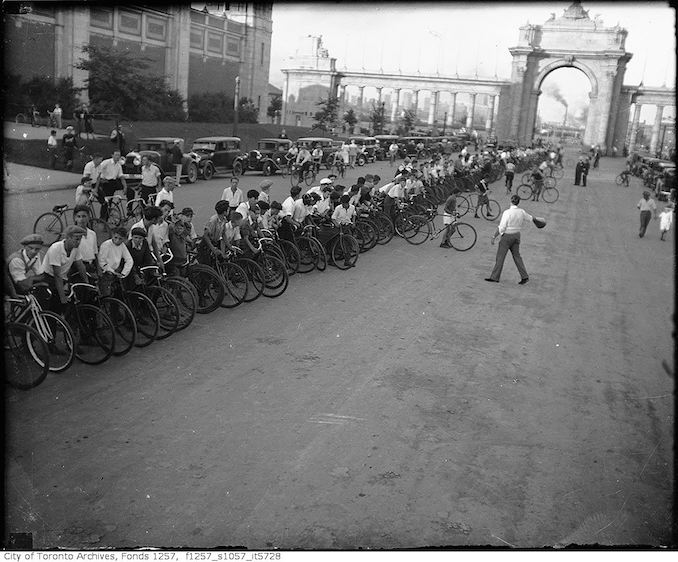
444,123
236,105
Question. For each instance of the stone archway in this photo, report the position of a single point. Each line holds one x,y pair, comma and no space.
572,40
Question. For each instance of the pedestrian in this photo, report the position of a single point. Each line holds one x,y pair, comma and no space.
596,158
665,221
117,137
449,212
52,152
512,220
56,114
35,116
586,164
648,208
352,153
233,195
510,171
283,134
177,156
69,142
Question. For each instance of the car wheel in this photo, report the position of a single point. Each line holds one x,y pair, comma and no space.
237,168
361,160
267,170
208,171
192,172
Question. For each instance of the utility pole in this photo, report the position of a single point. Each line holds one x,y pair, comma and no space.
236,104
444,123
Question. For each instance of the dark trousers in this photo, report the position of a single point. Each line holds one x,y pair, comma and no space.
577,175
389,207
584,175
509,242
645,217
107,189
509,180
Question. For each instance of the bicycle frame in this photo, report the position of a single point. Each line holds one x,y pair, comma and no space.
21,307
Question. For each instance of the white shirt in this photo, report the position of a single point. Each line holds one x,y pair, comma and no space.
287,207
82,195
150,175
344,216
234,199
92,171
161,234
300,211
52,142
322,206
393,148
512,220
88,246
110,256
244,210
665,220
263,196
648,205
164,195
56,257
20,268
398,190
111,170
316,189
386,187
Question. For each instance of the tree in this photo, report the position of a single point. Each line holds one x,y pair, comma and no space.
378,118
122,83
350,119
247,111
42,91
326,118
407,122
211,107
274,107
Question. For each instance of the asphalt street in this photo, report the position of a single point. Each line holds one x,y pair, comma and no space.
402,403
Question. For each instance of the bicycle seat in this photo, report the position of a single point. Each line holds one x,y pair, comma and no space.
59,208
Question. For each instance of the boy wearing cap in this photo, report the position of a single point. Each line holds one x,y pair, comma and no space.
271,218
319,188
25,267
58,260
141,254
265,187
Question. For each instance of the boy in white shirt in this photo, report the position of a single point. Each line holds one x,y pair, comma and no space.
114,259
665,221
83,191
88,247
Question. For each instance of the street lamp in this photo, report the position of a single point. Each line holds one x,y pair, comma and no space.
236,105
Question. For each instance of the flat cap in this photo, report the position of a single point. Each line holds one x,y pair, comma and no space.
32,239
265,183
72,230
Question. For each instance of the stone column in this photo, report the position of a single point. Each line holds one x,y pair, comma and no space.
379,94
453,110
396,103
655,129
71,32
472,110
416,102
433,108
286,93
489,122
180,41
360,98
634,127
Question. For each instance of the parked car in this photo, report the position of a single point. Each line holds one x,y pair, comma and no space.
383,143
326,144
157,149
223,153
368,149
268,157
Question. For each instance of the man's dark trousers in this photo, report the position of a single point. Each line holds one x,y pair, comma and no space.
509,242
645,217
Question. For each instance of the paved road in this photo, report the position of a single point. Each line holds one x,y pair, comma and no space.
403,403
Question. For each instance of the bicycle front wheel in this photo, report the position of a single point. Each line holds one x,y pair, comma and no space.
255,279
94,333
208,286
418,230
168,310
59,338
308,256
26,356
291,256
146,317
49,226
524,191
619,180
345,251
558,173
463,237
187,299
309,178
550,195
463,205
124,323
276,278
235,282
385,230
490,210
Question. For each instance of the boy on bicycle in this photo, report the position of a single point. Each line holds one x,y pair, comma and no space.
114,259
449,212
537,183
25,267
88,245
483,198
83,191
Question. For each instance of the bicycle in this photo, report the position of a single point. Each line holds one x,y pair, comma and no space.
490,209
342,247
548,194
129,213
145,313
164,301
623,178
208,286
423,228
25,309
340,166
296,176
51,225
182,290
26,356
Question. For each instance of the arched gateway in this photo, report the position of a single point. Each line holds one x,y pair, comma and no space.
572,40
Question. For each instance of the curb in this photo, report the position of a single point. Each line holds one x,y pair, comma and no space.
38,189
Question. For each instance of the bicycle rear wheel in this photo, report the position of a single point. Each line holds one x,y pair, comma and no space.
558,173
463,237
49,226
308,255
146,317
187,299
26,356
291,256
463,205
418,230
235,282
168,310
550,195
94,333
208,286
491,210
59,338
124,323
524,191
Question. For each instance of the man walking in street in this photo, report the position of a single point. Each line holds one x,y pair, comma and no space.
69,143
512,220
577,171
585,166
648,209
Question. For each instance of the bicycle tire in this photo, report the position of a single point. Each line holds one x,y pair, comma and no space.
418,231
385,229
290,255
308,255
558,173
146,316
550,195
26,356
94,333
366,234
494,209
527,177
60,341
209,287
255,279
124,323
294,178
168,310
309,177
463,237
50,227
342,246
550,183
321,264
619,180
463,205
524,191
276,279
20,118
235,282
186,297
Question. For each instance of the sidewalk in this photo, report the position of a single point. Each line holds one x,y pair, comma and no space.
24,131
29,179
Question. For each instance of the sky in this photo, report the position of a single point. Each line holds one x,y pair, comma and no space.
455,36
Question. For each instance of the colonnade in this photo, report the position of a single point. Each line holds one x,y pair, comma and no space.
656,127
397,105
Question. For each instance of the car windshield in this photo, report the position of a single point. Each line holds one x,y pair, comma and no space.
266,146
203,146
151,146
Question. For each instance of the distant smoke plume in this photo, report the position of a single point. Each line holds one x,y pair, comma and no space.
553,91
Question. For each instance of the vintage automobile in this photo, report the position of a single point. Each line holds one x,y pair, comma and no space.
326,144
368,149
223,153
268,157
409,146
383,143
157,149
